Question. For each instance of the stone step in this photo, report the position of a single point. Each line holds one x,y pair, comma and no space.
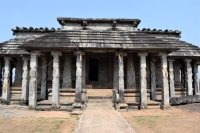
64,94
88,86
99,101
134,94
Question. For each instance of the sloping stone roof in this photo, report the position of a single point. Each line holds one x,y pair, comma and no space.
22,35
135,40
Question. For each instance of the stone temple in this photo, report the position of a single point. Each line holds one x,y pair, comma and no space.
103,60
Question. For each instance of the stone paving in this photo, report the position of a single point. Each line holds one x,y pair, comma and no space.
102,121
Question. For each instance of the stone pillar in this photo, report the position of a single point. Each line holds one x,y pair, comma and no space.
0,76
6,81
188,77
115,72
43,93
33,80
67,76
196,77
18,73
165,85
171,78
153,79
24,96
143,81
177,72
83,71
121,55
78,87
56,79
130,72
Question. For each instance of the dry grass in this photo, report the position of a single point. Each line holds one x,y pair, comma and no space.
159,121
37,124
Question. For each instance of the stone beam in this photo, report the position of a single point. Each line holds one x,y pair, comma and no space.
165,85
143,80
43,91
56,79
188,76
171,78
67,77
78,87
6,81
33,80
130,72
24,95
153,79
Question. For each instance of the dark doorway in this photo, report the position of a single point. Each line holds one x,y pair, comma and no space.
93,70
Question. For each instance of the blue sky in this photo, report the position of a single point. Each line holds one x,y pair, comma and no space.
183,15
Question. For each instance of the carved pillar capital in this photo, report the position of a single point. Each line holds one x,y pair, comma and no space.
25,58
142,54
188,60
56,53
120,53
170,60
153,60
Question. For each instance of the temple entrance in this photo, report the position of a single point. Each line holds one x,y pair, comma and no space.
93,70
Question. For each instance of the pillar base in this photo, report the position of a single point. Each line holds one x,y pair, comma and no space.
67,86
141,107
24,102
55,107
78,106
5,102
164,107
31,107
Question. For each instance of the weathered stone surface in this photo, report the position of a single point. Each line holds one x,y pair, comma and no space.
121,55
6,82
185,99
143,81
165,88
130,72
43,93
56,79
115,72
33,80
196,77
78,86
153,79
83,71
67,77
24,95
171,78
188,76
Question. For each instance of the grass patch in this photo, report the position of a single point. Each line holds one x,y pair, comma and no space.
149,121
